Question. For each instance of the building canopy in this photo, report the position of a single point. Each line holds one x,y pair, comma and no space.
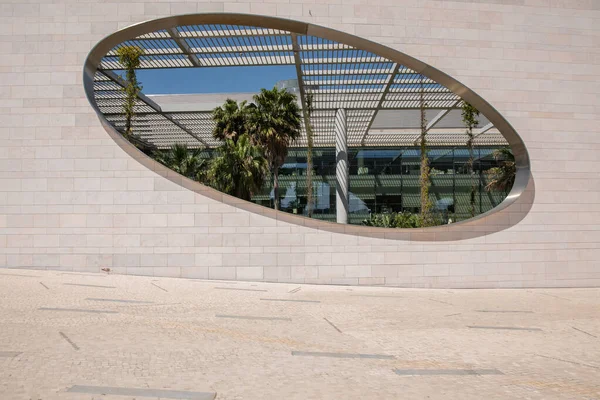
381,97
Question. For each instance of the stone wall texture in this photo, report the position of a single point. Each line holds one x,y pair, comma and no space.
72,199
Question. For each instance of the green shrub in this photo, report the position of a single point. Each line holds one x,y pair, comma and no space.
393,220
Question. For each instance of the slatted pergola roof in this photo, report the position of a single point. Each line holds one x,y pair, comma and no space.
381,97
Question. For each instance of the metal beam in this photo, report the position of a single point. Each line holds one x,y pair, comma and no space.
440,116
356,71
298,63
485,129
184,46
121,82
341,167
431,124
192,34
317,110
388,85
170,63
479,133
118,80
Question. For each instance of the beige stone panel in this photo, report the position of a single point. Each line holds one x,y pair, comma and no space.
181,260
277,274
19,260
344,281
142,271
208,260
249,273
345,259
292,239
153,260
195,272
236,240
304,272
357,271
411,271
321,259
397,258
126,261
45,260
384,271
290,259
236,260
317,239
221,273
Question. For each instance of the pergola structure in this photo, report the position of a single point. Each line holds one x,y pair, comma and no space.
380,98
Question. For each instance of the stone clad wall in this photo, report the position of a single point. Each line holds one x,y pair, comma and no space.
72,199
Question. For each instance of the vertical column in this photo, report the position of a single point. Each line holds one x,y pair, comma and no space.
341,167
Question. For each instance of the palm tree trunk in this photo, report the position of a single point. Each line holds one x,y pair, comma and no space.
276,187
424,178
309,184
127,125
471,170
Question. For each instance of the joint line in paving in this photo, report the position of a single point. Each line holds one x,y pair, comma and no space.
150,304
252,317
293,301
342,355
587,333
440,301
331,323
504,311
510,328
154,284
82,284
69,340
10,353
567,361
136,392
425,372
78,310
83,274
21,275
556,297
121,301
246,290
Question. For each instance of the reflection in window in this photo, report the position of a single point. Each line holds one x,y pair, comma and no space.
386,180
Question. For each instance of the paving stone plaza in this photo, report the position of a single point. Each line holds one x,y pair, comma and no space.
92,336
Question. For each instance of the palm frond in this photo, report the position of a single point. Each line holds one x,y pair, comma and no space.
239,168
502,177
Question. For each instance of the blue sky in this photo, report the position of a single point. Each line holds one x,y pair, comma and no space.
212,79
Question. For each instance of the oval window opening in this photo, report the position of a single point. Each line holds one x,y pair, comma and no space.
307,120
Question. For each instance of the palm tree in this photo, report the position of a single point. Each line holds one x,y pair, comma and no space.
231,120
469,117
274,125
309,154
183,161
425,217
502,178
239,168
129,58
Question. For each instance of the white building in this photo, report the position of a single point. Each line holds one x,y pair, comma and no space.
75,196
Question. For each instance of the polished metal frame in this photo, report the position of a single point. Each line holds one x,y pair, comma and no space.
514,207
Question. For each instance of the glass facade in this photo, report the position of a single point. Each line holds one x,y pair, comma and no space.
386,180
